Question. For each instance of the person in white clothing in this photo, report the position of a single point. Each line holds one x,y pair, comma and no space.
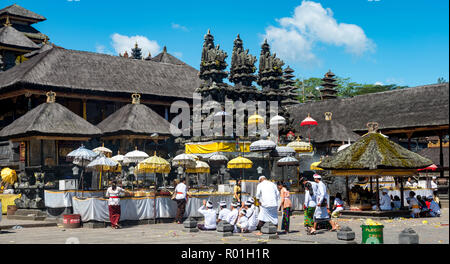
385,201
269,198
434,185
233,215
210,216
338,206
410,183
321,213
113,193
224,211
413,205
251,215
242,222
181,199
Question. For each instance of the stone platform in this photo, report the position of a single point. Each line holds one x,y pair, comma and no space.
375,214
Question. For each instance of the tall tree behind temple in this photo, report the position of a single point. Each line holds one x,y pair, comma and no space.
346,88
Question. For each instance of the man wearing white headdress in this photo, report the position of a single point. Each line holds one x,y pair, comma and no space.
385,201
224,211
210,216
233,216
252,214
269,198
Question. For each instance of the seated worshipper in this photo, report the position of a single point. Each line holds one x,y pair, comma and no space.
410,183
435,210
269,197
423,206
321,213
233,215
224,211
338,206
251,215
242,222
396,202
413,205
309,205
210,216
385,201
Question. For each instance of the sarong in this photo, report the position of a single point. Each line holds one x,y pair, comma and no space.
114,214
268,214
309,214
321,213
285,219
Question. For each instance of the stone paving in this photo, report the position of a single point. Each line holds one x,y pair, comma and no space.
430,230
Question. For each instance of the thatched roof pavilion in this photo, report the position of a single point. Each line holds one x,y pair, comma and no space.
374,155
50,120
134,120
104,76
166,57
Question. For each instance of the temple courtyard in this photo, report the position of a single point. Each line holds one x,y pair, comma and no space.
430,231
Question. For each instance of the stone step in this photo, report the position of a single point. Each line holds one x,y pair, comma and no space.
26,217
27,212
444,203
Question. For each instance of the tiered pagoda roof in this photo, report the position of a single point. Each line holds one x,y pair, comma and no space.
242,65
270,69
12,39
213,65
328,86
289,87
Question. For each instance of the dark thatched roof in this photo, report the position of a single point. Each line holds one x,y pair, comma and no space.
29,31
62,69
43,47
433,154
49,119
167,58
405,108
134,119
12,38
18,11
330,131
374,151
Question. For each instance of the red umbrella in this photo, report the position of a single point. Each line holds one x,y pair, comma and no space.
432,167
308,121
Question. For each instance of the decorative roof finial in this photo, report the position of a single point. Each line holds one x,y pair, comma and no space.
165,49
7,23
328,116
209,31
372,127
136,98
51,97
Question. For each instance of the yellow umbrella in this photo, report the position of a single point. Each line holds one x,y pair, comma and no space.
240,163
154,164
300,146
314,165
9,175
255,119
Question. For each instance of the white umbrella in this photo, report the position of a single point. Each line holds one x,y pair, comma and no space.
262,145
277,120
135,156
119,158
185,161
99,162
79,156
287,161
218,158
281,151
103,150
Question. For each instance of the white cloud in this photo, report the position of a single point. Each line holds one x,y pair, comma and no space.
177,54
295,36
122,43
178,26
378,83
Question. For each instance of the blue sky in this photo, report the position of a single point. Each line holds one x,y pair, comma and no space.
386,41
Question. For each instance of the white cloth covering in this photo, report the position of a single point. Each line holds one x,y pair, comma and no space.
321,193
223,214
385,202
252,215
181,191
210,217
339,205
243,223
310,201
232,216
115,193
268,214
268,194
